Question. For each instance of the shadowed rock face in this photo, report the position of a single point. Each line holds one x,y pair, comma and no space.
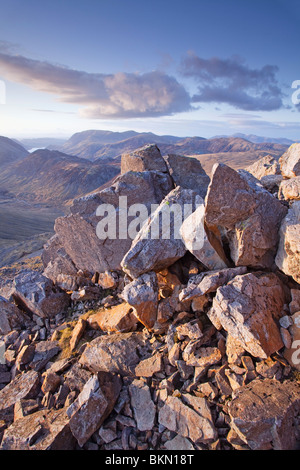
188,173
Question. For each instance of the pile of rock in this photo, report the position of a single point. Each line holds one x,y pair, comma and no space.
164,342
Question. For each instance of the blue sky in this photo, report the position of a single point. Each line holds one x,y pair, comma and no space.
181,67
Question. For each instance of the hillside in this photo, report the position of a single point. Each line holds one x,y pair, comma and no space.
10,152
53,178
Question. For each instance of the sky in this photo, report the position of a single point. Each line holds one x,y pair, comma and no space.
179,67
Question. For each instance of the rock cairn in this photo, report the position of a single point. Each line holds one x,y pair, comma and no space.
162,343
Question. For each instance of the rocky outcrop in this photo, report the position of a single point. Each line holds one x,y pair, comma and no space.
177,348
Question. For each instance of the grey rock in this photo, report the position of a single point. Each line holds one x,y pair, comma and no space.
159,243
251,216
117,353
25,385
143,407
190,418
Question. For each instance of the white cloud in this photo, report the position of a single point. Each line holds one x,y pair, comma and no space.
121,95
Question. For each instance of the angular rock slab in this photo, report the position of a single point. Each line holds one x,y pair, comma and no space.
142,294
43,430
117,353
290,161
238,203
159,243
247,308
143,159
23,386
197,242
143,407
263,414
36,294
188,173
288,254
190,417
93,405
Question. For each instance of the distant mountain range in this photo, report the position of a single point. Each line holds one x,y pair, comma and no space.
106,145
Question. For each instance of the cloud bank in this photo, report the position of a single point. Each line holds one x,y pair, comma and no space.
232,82
121,95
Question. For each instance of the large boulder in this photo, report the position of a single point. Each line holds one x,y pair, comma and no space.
82,234
288,254
159,243
264,414
265,166
249,215
36,294
248,308
188,173
143,159
290,161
